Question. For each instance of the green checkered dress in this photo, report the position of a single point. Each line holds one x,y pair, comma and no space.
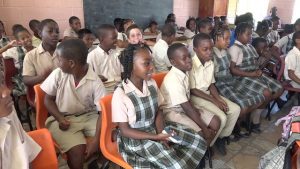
249,63
19,88
152,154
227,85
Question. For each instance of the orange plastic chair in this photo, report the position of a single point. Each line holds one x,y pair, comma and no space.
107,145
159,77
41,110
46,159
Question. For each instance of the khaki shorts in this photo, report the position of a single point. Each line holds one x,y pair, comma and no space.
81,127
182,118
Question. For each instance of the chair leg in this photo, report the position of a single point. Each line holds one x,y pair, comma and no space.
298,97
209,157
28,110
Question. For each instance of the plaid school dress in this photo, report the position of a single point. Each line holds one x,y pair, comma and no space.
152,154
249,63
19,88
227,84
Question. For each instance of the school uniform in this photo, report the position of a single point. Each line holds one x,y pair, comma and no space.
273,37
227,84
292,62
18,54
37,61
160,56
201,77
17,149
36,41
188,33
138,109
245,57
285,43
69,32
79,103
107,65
176,90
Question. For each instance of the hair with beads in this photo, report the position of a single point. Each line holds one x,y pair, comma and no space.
219,32
127,57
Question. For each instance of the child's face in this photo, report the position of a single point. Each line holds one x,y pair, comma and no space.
50,33
245,37
207,29
153,28
88,39
143,64
110,40
204,50
25,39
135,36
261,48
297,43
63,63
76,25
182,59
224,41
275,24
192,25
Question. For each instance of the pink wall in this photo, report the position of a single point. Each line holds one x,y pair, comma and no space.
183,9
22,11
285,9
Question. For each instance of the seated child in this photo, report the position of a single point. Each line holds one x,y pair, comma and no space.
178,36
104,59
39,62
292,62
152,29
190,30
122,37
18,149
175,89
246,70
160,57
88,38
227,85
75,26
204,94
136,107
18,53
72,94
34,26
135,36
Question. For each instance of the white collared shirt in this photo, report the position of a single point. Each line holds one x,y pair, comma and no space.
160,56
292,62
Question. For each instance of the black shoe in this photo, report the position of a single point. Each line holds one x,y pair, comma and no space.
243,134
234,138
255,128
220,145
201,165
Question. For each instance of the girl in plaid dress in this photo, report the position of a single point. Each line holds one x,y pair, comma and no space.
135,107
246,70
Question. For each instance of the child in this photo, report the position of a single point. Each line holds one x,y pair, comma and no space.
190,30
227,85
205,26
160,57
292,62
72,94
175,89
204,94
274,36
136,108
244,67
122,37
18,53
88,38
75,26
17,148
135,36
34,26
152,29
39,62
284,45
262,49
104,59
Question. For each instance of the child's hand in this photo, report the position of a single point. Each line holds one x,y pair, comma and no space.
6,102
208,134
258,73
64,124
12,44
221,104
103,79
162,137
91,148
267,54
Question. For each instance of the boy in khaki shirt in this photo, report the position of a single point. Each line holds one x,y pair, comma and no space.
204,93
72,94
176,91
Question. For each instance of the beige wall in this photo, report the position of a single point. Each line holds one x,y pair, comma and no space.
22,11
183,9
285,9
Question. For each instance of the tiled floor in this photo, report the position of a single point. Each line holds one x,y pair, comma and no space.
246,153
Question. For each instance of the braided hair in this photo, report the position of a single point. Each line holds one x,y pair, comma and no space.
241,28
219,31
127,57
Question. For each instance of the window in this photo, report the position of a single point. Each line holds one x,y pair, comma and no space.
296,13
259,8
